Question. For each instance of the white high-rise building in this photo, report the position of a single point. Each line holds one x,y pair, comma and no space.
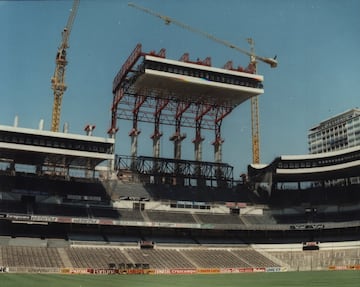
339,132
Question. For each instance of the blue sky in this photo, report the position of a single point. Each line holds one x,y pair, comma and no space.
317,43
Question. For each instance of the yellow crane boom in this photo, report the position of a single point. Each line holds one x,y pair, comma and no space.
253,60
58,80
272,62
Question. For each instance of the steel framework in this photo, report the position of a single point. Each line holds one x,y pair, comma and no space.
252,65
167,170
180,104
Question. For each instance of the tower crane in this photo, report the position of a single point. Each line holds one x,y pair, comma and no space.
58,80
253,61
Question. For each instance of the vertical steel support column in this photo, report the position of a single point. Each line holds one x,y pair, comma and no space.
218,154
134,141
198,141
134,133
198,153
221,113
218,150
156,137
156,141
201,111
160,105
118,96
177,138
218,143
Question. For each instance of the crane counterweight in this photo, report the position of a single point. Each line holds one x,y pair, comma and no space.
272,62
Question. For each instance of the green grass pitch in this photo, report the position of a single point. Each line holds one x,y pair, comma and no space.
297,279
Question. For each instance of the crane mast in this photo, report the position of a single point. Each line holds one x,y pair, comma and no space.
58,80
253,61
254,102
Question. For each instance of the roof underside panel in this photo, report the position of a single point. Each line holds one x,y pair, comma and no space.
193,89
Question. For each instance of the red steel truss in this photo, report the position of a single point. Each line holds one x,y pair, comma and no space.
192,95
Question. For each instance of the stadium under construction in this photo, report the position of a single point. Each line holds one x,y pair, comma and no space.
150,88
70,204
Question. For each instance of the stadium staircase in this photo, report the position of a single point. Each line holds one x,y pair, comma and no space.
64,257
145,216
274,259
196,218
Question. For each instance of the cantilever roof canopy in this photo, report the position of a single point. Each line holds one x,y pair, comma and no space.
194,82
350,169
311,167
330,165
37,147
